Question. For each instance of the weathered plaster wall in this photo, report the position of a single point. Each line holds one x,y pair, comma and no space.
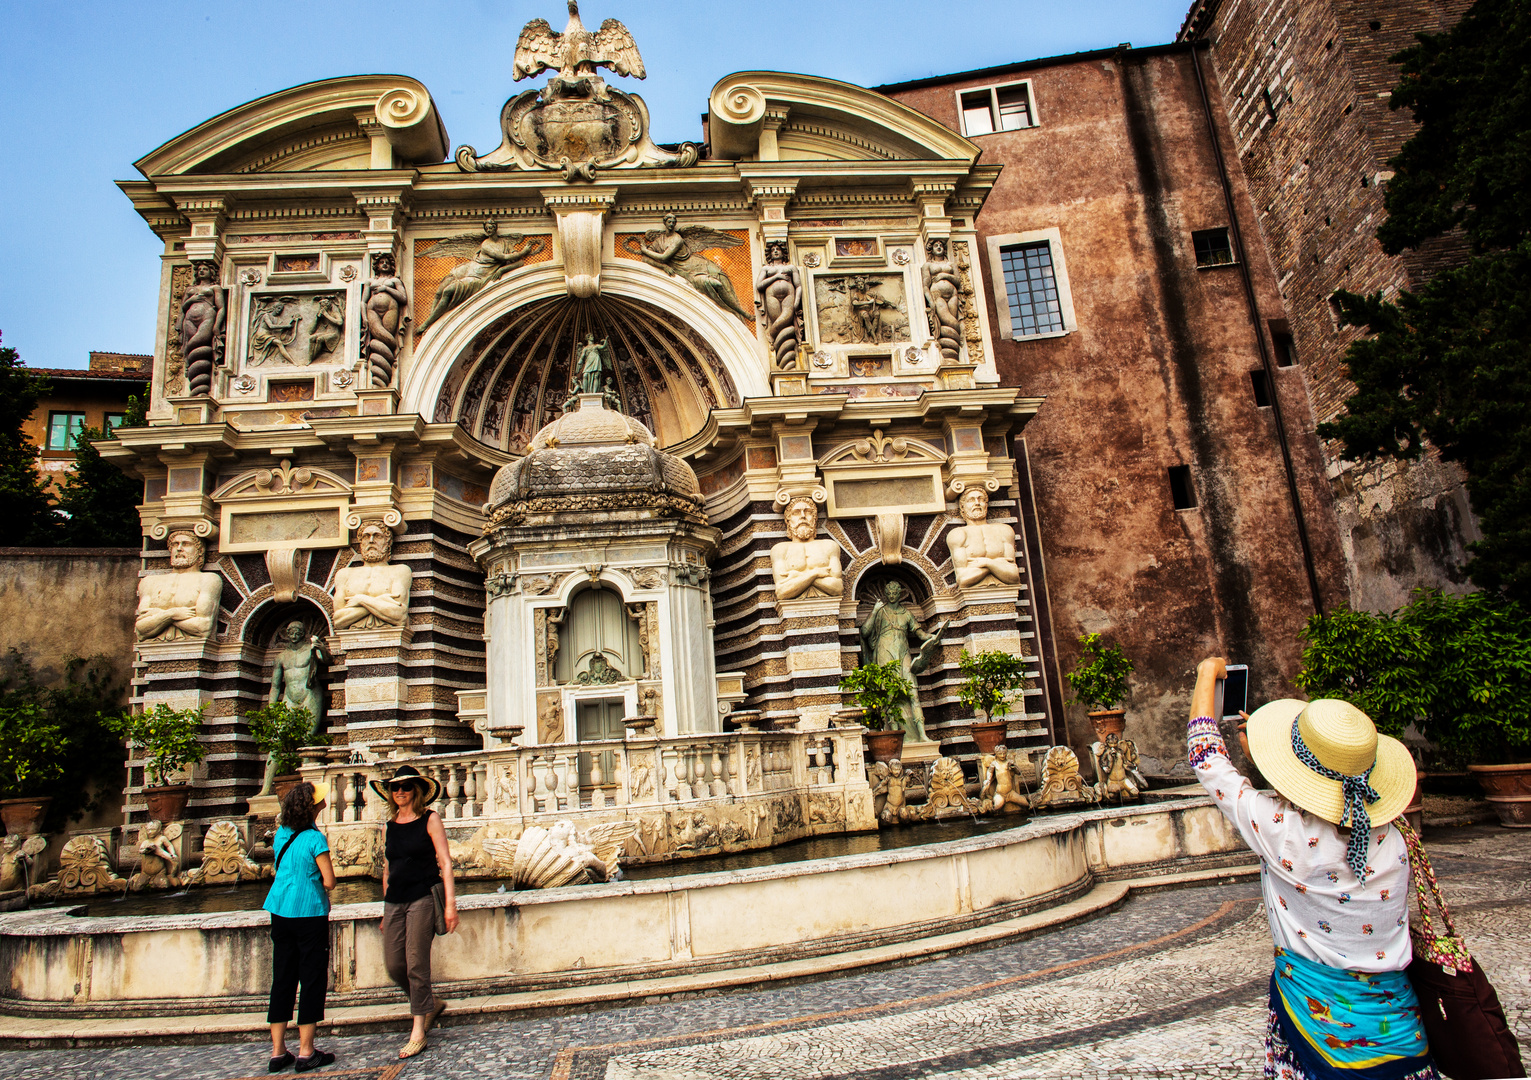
1306,86
61,602
1156,375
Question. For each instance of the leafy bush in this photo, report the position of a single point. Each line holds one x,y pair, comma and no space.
169,738
990,681
32,751
1458,666
279,730
1099,680
878,689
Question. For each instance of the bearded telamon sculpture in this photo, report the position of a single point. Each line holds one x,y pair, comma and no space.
803,566
182,603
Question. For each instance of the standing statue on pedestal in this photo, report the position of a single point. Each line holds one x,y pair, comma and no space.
376,593
491,256
779,303
885,638
183,603
802,565
943,299
383,302
297,681
203,315
592,367
675,251
982,554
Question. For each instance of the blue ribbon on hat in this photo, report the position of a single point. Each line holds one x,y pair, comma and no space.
1358,791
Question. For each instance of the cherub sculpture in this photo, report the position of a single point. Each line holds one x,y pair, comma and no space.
888,783
1000,794
1116,766
158,859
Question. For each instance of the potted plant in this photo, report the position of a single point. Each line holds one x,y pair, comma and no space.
1099,682
281,732
33,750
878,689
170,739
991,680
1455,666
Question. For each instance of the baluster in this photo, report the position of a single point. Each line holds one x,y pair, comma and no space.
470,790
669,778
453,788
685,772
621,796
483,786
829,754
542,784
820,759
715,775
349,805
571,781
597,781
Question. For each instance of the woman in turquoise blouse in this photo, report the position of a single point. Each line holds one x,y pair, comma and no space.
299,903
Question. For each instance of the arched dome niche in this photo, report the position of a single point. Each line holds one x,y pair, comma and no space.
513,378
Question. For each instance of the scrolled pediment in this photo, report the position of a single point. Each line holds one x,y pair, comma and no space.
879,449
284,481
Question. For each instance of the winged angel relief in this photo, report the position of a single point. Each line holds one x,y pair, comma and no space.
676,251
490,257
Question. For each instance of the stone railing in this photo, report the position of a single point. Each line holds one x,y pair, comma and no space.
570,778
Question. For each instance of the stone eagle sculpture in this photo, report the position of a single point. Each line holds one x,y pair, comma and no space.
575,54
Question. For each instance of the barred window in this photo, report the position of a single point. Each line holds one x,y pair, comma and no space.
1031,288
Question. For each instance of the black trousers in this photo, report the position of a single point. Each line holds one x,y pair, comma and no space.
300,957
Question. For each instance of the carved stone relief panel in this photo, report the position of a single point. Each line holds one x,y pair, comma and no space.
972,330
550,726
175,363
861,309
296,329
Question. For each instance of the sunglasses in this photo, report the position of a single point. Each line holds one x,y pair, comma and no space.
407,785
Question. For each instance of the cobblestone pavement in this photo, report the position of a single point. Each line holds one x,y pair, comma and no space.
1172,984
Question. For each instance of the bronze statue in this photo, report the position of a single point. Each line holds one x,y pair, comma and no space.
491,256
943,299
674,250
885,638
297,680
203,315
779,302
383,301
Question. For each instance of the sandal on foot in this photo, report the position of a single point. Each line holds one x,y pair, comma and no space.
411,1048
317,1060
435,1014
277,1064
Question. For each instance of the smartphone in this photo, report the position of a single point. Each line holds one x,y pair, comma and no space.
1233,691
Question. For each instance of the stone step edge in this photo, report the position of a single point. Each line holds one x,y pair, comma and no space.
34,1032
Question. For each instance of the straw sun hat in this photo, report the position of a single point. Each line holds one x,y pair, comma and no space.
431,786
1343,740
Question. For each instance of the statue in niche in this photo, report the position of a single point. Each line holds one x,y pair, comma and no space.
297,680
158,859
592,367
982,554
803,566
182,603
675,251
943,298
779,303
999,792
384,301
885,638
204,312
1116,766
375,594
491,256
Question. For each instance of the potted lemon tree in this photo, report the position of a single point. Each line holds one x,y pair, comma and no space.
992,681
1099,682
170,740
878,689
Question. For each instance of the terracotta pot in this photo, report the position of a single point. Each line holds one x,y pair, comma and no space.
885,745
1109,722
281,785
987,734
167,803
1508,790
23,817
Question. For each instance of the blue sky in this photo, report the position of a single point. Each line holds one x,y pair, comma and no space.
90,87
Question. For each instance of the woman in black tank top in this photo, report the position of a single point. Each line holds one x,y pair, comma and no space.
415,861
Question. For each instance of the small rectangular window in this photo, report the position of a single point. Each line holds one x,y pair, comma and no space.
1032,289
1286,350
1212,247
114,420
1262,388
977,113
62,429
1181,490
1014,108
997,108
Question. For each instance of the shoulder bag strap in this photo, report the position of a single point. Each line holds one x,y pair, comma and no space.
1447,949
285,846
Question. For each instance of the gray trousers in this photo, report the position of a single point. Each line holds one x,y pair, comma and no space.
408,930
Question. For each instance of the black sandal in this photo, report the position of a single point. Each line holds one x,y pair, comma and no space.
277,1064
317,1060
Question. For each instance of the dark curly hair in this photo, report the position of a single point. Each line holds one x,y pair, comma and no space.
298,807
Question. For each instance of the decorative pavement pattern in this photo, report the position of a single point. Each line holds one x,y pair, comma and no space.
1171,985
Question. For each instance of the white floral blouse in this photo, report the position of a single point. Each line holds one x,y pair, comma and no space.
1317,907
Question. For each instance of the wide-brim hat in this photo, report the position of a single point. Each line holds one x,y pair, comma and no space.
408,772
1344,740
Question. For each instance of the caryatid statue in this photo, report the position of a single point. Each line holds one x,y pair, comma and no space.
803,566
885,638
779,303
297,680
943,298
982,554
183,602
204,312
384,301
375,594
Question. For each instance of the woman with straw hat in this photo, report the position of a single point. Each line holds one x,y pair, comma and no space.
1335,880
416,865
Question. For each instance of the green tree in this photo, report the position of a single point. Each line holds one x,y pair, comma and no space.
26,510
1450,364
98,501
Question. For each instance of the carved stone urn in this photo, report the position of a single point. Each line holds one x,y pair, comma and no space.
167,803
24,817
